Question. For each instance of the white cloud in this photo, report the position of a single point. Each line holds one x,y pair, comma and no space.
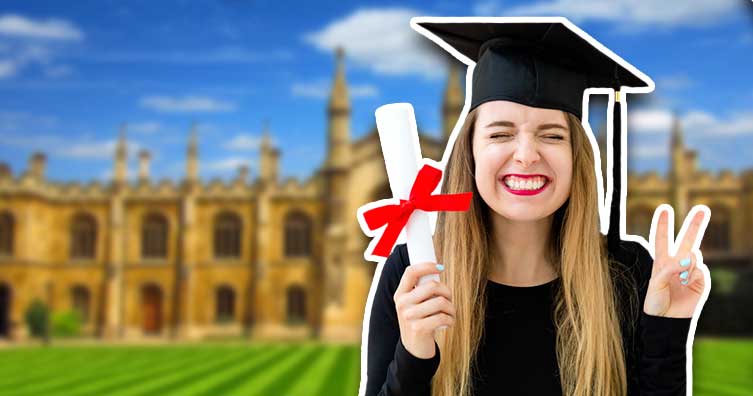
649,152
79,148
674,82
36,142
321,89
146,127
363,91
32,53
208,56
225,164
380,39
97,150
23,54
186,104
35,42
487,7
51,29
21,121
21,131
704,124
243,142
636,12
650,121
318,89
697,123
698,118
207,129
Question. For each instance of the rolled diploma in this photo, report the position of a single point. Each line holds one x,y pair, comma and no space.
398,136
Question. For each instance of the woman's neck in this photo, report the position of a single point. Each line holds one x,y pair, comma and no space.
521,252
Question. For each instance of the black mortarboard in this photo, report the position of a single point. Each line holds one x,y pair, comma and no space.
540,62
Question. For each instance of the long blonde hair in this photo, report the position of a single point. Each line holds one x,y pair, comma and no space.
589,344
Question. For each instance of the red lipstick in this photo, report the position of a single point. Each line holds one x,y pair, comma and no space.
525,192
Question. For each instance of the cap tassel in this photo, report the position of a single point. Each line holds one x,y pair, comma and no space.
613,235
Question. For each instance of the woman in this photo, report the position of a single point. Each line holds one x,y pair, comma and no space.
532,300
563,318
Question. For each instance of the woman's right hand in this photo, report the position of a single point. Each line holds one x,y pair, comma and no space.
422,309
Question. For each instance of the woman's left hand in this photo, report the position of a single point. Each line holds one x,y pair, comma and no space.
675,289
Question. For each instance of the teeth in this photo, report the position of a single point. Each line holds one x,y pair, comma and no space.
517,183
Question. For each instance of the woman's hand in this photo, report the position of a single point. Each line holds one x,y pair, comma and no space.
677,281
422,309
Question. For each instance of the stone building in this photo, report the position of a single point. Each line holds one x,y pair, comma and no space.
262,258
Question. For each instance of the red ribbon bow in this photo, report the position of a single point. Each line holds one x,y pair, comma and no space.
396,216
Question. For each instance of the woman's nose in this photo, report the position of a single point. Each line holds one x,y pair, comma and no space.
526,153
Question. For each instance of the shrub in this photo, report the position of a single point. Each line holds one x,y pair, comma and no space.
66,324
36,317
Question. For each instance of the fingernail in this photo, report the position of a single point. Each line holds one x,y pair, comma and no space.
440,267
684,281
685,262
684,275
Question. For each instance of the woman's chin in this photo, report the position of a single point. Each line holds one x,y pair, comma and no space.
522,214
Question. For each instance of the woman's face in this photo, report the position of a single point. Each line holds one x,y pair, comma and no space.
513,139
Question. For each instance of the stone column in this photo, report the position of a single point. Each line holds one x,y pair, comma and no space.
185,276
113,279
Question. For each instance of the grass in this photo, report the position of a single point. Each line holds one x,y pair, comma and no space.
722,367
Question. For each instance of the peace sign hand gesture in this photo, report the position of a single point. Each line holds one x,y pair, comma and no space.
678,279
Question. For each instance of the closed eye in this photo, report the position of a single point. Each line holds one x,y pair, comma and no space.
555,137
500,135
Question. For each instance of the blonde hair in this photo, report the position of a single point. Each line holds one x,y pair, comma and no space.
589,344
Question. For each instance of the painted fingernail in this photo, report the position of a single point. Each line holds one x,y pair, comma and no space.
684,275
685,262
440,267
684,281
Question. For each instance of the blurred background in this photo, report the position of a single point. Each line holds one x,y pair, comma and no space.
179,180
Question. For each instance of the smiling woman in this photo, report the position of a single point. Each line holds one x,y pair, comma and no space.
514,143
527,274
533,300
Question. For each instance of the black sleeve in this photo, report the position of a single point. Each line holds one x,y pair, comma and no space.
662,356
661,344
391,369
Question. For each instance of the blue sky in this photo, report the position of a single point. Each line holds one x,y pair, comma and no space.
72,73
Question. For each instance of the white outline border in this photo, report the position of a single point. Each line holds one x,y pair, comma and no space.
603,209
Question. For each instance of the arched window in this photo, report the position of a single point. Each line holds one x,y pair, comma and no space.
6,233
80,300
297,234
296,309
6,296
225,308
639,220
717,235
227,235
154,236
83,236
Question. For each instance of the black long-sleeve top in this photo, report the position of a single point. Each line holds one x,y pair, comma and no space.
517,353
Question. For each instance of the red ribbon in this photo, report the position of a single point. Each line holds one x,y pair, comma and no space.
396,216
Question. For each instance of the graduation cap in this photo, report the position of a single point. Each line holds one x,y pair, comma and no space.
545,62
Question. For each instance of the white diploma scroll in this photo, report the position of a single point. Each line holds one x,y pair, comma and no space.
398,135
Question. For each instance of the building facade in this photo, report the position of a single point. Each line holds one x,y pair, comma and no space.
261,258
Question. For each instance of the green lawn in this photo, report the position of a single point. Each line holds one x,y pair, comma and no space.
722,367
207,369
